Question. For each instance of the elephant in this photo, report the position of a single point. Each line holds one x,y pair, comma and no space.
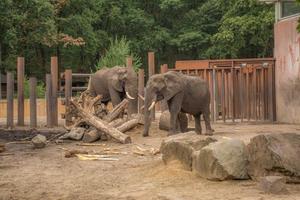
115,84
182,93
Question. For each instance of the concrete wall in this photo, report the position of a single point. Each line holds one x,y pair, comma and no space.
287,54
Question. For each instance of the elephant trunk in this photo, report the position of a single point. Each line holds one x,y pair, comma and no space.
150,100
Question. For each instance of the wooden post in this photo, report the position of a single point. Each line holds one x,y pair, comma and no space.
270,94
248,94
254,94
213,100
20,77
141,86
164,68
151,71
223,96
68,94
32,96
54,81
129,62
49,100
10,99
241,91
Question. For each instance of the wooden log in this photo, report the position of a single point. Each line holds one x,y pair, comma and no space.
101,125
91,136
128,125
117,122
20,77
54,82
48,100
10,99
32,96
116,111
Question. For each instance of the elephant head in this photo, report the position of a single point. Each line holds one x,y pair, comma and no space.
124,80
160,87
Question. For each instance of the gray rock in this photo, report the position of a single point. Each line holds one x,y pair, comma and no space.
75,133
39,141
273,184
164,121
182,146
275,154
225,159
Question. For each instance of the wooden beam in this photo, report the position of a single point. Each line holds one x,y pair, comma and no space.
54,82
68,95
33,106
20,77
49,100
10,99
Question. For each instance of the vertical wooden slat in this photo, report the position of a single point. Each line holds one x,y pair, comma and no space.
223,95
33,106
141,85
10,99
20,82
262,93
231,93
151,70
0,83
248,94
54,81
270,93
214,95
241,92
226,96
163,104
68,95
254,94
49,100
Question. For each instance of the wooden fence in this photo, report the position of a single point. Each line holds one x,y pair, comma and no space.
241,89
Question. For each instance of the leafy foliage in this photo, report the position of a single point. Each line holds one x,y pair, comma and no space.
80,32
116,55
40,89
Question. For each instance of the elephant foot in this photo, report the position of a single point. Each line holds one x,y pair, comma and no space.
172,133
145,134
199,132
209,132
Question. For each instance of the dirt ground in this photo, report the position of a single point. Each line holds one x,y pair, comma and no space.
46,174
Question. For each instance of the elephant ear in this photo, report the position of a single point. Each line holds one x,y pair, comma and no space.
116,83
175,84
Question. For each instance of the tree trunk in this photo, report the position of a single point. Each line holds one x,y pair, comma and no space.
116,111
101,125
128,125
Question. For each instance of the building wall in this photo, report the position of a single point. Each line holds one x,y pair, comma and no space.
287,54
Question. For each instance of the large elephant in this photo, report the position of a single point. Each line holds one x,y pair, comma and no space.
183,93
115,84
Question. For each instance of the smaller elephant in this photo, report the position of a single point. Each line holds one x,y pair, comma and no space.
182,93
115,84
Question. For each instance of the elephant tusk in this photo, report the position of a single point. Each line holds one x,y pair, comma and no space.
151,106
142,97
130,97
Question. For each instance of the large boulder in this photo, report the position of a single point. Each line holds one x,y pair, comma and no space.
182,146
225,159
275,154
164,121
273,185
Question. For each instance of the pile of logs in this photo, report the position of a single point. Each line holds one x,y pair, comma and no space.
92,121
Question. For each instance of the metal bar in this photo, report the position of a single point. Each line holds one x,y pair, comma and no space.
20,77
54,81
49,100
10,99
33,106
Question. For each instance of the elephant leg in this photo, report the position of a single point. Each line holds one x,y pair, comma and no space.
114,96
198,128
209,130
174,108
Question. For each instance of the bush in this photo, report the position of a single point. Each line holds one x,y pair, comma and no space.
40,89
117,53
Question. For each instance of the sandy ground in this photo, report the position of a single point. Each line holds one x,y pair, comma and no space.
46,174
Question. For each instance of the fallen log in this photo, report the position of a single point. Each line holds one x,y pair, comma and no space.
101,125
115,113
128,125
91,136
117,122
